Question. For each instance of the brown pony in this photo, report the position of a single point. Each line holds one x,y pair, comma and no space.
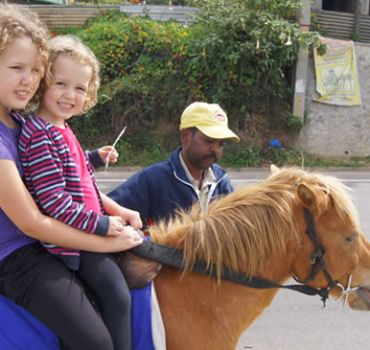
259,230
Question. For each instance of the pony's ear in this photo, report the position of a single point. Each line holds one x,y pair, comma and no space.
306,195
316,200
274,169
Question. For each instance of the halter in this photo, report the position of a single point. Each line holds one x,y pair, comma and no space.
175,258
317,258
318,263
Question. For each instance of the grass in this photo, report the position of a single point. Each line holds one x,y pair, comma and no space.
316,162
148,151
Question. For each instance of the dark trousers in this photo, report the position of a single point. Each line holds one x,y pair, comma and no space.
41,283
101,274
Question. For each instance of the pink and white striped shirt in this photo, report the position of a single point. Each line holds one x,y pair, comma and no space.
53,179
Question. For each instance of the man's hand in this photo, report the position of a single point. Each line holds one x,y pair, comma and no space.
131,217
110,152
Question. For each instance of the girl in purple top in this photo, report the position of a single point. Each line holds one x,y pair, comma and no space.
29,275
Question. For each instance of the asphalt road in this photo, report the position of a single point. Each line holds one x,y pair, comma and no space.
295,321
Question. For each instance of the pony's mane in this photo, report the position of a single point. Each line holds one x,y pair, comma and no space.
244,228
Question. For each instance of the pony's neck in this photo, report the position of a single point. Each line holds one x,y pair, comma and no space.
208,315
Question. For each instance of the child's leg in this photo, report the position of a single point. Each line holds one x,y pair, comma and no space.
43,285
102,275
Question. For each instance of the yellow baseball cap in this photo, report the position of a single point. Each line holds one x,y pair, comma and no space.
210,119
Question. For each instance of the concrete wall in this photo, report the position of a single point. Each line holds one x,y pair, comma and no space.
336,131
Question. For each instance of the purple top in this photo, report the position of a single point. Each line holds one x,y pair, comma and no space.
11,238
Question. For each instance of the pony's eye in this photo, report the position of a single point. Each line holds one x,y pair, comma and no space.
351,238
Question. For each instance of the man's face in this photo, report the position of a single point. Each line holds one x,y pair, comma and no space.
199,150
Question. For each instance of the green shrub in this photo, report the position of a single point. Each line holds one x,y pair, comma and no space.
133,45
238,54
294,123
139,149
241,53
241,155
282,156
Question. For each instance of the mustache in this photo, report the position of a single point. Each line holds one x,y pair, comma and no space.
211,156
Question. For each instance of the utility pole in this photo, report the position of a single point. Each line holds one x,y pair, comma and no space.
302,64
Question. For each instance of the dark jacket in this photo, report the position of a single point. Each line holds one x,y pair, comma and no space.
157,190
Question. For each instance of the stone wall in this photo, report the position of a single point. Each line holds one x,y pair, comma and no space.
336,131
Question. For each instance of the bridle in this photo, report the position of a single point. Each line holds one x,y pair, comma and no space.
318,263
175,258
317,257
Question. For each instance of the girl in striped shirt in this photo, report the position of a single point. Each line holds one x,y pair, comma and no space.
60,177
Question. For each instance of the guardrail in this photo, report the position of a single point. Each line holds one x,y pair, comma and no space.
59,16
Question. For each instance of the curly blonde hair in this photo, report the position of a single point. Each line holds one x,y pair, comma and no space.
73,47
18,21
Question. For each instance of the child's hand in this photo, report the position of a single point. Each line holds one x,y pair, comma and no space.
131,237
108,150
115,226
131,217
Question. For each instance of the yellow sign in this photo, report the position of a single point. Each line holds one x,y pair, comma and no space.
336,74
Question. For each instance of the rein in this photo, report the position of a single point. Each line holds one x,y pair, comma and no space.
175,258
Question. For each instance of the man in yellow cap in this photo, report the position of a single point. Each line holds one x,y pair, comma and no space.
190,175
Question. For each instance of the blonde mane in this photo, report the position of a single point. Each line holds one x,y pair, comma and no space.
243,229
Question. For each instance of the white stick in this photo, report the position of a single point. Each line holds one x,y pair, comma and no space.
114,145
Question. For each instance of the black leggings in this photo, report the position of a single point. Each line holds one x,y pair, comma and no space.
101,274
41,283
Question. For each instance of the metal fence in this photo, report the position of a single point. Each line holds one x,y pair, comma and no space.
58,16
342,25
